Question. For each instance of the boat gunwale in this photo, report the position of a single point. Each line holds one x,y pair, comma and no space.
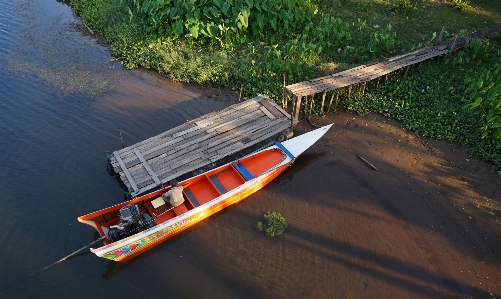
193,212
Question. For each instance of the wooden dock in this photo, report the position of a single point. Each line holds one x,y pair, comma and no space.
362,74
197,143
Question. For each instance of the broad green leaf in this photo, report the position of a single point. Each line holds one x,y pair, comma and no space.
177,28
491,95
243,17
219,3
273,23
214,30
188,6
173,12
214,11
193,30
260,20
146,5
477,102
225,8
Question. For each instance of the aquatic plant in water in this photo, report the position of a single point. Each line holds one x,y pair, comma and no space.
275,224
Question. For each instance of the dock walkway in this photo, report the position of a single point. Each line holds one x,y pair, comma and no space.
362,74
197,143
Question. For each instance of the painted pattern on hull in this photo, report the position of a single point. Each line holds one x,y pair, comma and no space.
136,247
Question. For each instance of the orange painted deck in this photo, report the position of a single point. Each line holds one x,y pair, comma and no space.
197,191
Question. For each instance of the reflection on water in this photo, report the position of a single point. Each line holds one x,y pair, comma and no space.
50,48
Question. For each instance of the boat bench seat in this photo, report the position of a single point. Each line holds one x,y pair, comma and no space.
243,171
218,184
191,197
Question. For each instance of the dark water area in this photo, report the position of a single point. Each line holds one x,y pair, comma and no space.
63,102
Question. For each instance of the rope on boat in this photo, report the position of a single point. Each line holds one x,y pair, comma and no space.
55,263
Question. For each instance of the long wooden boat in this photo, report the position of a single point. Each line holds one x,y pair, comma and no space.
137,225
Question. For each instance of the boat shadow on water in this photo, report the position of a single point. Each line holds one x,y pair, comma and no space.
301,163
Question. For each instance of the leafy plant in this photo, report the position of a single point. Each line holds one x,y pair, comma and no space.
484,96
274,224
462,5
403,6
382,41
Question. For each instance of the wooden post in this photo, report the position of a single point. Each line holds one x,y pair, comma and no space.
332,98
121,138
377,85
337,97
293,110
323,101
311,105
406,70
349,91
240,95
284,97
440,35
297,106
453,44
363,89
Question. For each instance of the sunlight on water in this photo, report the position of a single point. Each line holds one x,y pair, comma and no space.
46,44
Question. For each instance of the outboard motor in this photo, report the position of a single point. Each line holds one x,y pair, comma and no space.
131,222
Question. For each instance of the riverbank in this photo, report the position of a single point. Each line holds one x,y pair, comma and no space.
425,225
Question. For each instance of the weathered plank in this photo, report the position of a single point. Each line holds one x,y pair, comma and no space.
213,116
363,73
147,167
127,174
268,113
198,143
271,107
130,160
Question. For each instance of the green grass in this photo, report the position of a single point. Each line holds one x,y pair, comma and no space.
254,42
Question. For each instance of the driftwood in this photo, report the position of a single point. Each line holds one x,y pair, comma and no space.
367,163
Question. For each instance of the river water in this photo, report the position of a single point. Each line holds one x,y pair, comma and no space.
63,104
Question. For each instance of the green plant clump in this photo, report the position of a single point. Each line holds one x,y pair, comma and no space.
403,6
461,103
274,224
462,5
252,43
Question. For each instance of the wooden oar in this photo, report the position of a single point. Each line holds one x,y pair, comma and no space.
64,258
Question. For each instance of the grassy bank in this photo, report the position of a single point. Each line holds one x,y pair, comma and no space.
253,42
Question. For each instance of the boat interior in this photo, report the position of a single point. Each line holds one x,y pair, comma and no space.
196,191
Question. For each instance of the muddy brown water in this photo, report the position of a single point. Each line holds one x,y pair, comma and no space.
425,225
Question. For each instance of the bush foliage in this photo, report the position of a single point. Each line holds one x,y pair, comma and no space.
254,42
